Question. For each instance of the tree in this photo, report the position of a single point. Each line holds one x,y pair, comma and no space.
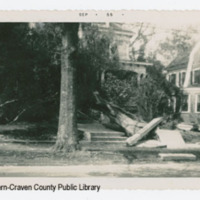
143,34
153,94
147,99
178,42
67,127
118,86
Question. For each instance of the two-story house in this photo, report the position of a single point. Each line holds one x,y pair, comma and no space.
184,72
122,36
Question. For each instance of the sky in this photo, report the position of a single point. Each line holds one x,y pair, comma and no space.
164,24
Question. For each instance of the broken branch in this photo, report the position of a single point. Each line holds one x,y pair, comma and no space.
17,117
7,102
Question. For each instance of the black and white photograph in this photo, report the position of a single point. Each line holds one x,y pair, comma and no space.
100,99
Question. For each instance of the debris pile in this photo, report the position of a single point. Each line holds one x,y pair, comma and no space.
136,131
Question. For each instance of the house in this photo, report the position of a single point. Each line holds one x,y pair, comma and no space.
122,36
184,72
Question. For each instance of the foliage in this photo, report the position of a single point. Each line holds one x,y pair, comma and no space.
150,97
96,53
119,90
30,70
154,94
177,43
143,35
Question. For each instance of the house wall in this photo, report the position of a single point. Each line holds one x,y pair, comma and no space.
121,37
123,46
192,116
191,86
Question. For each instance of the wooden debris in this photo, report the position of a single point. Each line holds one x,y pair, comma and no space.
152,144
144,131
177,157
172,138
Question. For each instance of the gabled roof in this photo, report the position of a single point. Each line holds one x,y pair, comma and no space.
180,62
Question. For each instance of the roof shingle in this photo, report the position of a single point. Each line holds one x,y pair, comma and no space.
180,62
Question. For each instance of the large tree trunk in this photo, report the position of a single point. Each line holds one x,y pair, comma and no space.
67,127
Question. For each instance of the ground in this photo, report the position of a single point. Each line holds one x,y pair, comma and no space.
23,153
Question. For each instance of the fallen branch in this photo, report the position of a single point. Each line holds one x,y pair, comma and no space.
17,117
8,102
51,98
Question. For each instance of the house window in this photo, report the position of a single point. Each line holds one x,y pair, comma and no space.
185,103
181,78
173,79
197,103
191,77
180,81
197,77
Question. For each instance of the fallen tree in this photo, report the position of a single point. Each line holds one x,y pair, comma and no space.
129,122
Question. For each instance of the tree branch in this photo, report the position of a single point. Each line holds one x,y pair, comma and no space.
17,117
7,102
